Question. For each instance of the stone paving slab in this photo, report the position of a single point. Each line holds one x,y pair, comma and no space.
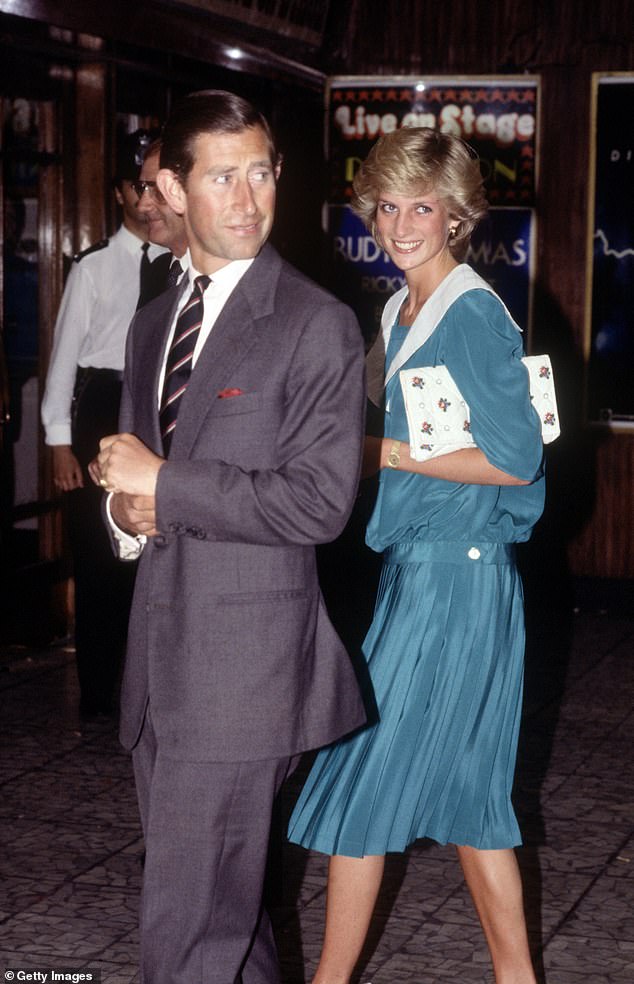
71,848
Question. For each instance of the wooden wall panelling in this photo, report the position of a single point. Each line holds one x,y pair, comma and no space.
56,603
90,148
50,286
604,547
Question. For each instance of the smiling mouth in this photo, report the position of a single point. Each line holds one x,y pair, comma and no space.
407,247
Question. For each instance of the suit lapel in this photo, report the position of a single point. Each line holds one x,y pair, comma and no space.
235,332
154,321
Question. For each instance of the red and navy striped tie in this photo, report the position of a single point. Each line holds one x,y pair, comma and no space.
179,360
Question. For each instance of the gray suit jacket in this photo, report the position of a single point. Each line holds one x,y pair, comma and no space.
229,638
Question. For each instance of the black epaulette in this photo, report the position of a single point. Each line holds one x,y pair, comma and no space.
90,249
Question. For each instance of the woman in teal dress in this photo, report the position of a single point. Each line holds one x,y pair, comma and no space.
446,646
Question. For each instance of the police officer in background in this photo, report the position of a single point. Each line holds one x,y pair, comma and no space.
105,285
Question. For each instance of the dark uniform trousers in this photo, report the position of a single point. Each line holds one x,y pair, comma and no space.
103,584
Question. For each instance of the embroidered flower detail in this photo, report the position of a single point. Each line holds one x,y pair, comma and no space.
443,404
544,372
417,382
426,427
426,447
466,427
549,418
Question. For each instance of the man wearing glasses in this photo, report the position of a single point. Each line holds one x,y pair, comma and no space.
165,227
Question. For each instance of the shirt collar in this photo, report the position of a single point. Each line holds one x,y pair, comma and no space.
132,243
226,278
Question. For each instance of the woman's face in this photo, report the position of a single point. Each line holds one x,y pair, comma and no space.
414,230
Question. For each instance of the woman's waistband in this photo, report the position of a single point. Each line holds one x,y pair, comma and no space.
450,552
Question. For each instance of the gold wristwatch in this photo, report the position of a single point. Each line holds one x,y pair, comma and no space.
394,457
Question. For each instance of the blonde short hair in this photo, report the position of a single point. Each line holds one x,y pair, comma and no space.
416,160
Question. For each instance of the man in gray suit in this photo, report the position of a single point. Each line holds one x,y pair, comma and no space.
233,667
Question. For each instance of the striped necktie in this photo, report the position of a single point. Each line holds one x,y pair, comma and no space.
178,366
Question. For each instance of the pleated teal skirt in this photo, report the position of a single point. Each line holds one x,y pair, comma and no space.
445,654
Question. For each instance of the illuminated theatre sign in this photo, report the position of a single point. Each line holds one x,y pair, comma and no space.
498,117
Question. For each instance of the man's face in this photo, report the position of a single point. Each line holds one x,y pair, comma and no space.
166,228
228,199
133,218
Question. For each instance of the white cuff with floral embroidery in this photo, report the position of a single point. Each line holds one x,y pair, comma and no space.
438,415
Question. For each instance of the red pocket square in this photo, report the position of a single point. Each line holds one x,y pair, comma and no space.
231,391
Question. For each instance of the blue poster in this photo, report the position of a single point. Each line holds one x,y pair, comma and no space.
611,361
501,251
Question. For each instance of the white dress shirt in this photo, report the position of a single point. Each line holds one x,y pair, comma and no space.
216,295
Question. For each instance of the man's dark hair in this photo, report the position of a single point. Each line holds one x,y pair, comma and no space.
207,111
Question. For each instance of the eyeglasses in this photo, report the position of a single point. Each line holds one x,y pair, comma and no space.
140,187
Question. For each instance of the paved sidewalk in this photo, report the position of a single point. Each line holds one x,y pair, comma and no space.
71,844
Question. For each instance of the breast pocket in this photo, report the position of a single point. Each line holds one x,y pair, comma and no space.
244,430
231,406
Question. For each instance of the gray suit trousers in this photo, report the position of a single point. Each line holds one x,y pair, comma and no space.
207,828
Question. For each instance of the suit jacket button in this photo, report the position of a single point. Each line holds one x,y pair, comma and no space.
159,540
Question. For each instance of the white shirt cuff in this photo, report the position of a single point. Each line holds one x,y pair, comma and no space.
58,434
130,547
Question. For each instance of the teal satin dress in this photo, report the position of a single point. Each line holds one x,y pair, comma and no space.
445,649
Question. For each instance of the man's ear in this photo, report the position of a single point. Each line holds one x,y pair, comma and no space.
277,170
169,184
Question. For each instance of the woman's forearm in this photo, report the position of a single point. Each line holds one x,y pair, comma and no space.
468,466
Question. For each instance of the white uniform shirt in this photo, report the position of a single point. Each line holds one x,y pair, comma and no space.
98,304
